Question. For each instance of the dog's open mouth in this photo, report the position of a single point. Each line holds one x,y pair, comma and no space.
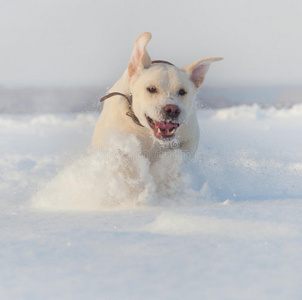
162,129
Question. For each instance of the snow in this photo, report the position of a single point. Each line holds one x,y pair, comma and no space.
227,227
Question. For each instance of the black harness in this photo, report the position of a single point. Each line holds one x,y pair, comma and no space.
130,113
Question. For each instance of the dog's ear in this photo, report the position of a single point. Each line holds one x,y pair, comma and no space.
198,70
140,58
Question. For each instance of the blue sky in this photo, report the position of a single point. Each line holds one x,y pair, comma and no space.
53,43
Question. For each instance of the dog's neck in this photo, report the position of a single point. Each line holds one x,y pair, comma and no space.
130,113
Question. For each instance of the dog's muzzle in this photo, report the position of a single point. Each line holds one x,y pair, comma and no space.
161,129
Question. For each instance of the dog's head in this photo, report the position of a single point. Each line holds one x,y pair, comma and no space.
162,93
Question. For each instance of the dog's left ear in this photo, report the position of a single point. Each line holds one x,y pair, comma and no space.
198,69
140,58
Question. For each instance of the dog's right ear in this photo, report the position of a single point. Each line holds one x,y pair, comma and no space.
140,58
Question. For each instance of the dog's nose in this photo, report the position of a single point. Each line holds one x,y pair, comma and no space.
172,111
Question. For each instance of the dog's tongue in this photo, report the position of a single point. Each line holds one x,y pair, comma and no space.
165,126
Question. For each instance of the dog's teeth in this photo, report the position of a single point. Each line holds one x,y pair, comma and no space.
171,132
165,132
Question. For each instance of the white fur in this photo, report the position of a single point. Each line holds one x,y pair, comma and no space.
168,80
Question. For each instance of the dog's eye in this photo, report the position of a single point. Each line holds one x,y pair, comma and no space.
152,89
182,92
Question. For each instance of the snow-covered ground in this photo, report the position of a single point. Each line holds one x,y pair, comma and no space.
228,227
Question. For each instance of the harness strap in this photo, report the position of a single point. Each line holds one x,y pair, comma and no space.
161,62
129,99
130,113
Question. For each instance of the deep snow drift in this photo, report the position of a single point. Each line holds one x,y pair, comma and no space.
226,225
244,153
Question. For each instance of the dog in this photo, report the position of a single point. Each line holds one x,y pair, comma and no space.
153,100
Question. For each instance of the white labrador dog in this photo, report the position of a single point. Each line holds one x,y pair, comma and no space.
154,100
